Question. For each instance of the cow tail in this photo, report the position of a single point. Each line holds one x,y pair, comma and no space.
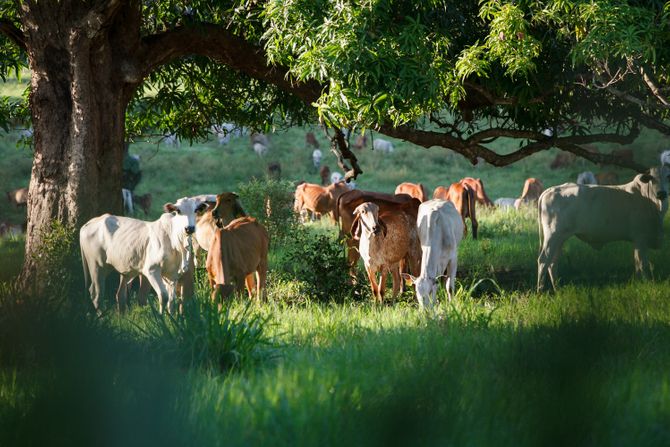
336,214
539,221
87,273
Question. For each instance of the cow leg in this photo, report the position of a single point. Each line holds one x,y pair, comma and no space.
143,291
97,287
262,278
546,261
122,293
397,281
642,269
373,281
352,257
154,278
249,281
382,285
186,283
450,285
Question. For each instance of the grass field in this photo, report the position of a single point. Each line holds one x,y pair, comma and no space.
501,365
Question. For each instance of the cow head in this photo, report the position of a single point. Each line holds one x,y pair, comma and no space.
654,185
184,211
227,208
426,289
366,218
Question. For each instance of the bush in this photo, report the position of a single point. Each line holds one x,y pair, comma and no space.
319,263
271,202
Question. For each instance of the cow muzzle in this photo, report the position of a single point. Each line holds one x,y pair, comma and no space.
661,195
189,230
376,229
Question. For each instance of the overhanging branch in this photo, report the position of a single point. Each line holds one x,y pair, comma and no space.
9,29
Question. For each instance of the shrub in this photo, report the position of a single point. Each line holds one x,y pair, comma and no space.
271,202
319,263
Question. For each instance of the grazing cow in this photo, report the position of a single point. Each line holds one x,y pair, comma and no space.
18,197
311,141
318,199
274,170
127,201
601,214
238,250
386,240
440,231
260,149
259,138
463,198
586,178
505,202
416,190
324,172
383,146
344,215
144,201
335,177
477,186
360,142
159,250
317,155
563,160
607,178
532,188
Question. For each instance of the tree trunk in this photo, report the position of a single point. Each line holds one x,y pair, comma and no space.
78,115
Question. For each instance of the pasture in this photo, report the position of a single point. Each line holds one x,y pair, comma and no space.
500,365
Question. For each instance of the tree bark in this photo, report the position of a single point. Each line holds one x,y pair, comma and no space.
78,102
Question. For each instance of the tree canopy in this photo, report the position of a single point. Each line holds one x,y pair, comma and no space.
437,73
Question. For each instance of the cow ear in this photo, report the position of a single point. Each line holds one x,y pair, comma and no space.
201,208
169,208
646,177
235,195
356,227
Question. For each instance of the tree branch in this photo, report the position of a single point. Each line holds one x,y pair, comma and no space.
9,29
653,87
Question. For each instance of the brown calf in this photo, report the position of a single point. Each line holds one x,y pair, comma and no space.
318,199
416,190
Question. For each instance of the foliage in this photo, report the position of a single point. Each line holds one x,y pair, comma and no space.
271,202
319,263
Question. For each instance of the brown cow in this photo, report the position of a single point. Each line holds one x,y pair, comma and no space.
386,240
416,190
607,178
463,198
318,199
18,197
477,186
324,172
532,189
238,250
563,160
360,142
144,202
310,140
344,215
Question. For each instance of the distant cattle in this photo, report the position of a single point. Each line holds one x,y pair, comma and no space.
260,149
601,214
562,160
360,142
347,203
144,202
238,251
532,188
386,239
505,202
624,155
127,196
607,178
463,198
440,229
159,250
317,199
324,173
10,230
274,170
665,157
335,177
416,190
311,141
586,178
317,155
477,186
383,146
18,197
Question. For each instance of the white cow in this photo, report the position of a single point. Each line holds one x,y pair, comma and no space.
159,250
601,214
505,202
260,149
335,177
587,178
382,145
317,155
440,231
